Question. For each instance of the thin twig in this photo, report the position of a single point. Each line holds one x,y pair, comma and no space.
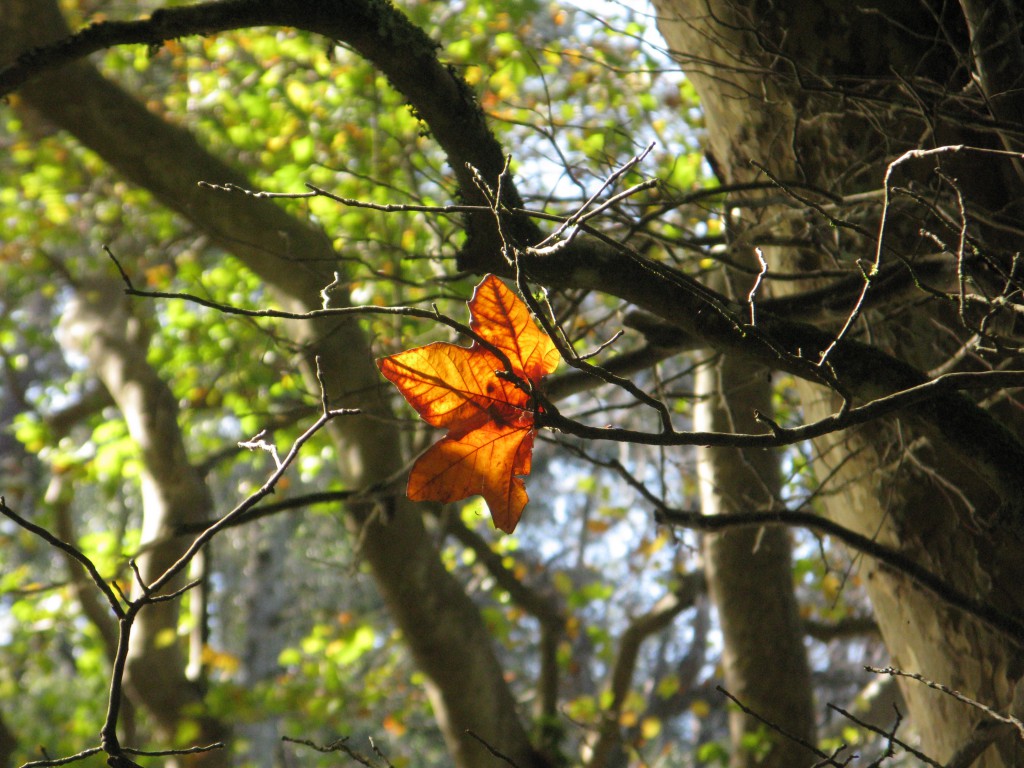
168,752
757,284
339,745
68,549
500,755
778,728
1008,719
890,734
48,763
1006,624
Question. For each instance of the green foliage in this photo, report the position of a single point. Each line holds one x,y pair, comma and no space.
713,753
46,644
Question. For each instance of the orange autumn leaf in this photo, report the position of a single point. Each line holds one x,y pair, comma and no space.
490,421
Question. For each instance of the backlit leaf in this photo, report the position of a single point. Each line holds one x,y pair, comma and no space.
490,419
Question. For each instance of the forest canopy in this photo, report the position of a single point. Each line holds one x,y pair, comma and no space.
722,464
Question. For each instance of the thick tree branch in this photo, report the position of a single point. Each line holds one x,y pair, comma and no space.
545,608
577,381
856,369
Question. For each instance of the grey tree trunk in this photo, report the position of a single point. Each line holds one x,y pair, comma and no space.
749,573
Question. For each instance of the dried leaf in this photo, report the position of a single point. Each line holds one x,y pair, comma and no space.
490,420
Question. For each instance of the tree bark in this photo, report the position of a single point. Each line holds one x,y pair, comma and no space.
749,573
776,99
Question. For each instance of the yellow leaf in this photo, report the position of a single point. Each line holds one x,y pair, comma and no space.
165,638
650,727
225,662
831,586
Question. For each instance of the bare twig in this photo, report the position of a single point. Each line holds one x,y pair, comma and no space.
757,284
127,610
1008,625
339,745
1008,719
48,763
914,154
70,550
890,734
828,759
500,755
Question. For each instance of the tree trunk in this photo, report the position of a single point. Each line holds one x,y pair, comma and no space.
8,743
267,594
749,573
99,324
810,93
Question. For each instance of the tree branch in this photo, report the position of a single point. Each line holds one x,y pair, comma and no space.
854,369
658,618
1009,626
